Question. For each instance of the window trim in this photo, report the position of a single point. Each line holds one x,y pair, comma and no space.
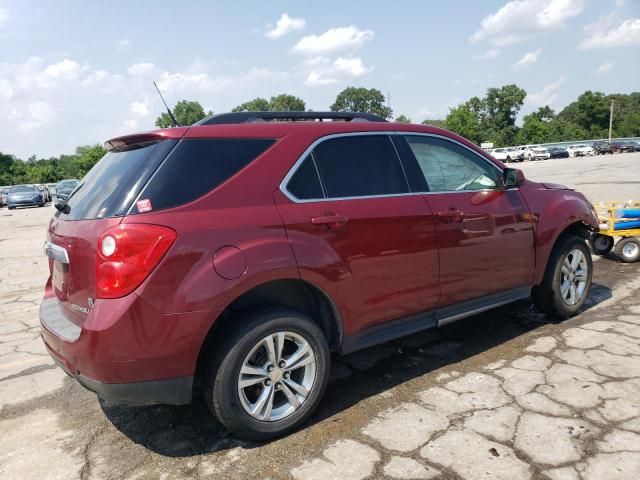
309,151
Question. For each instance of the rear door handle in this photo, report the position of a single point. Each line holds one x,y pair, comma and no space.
331,221
452,215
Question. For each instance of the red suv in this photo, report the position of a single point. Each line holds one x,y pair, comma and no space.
237,253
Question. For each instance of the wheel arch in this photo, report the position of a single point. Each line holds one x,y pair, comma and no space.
293,293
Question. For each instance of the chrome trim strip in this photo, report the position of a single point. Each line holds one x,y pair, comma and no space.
55,252
309,149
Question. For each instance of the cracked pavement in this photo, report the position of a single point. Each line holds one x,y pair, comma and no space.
506,394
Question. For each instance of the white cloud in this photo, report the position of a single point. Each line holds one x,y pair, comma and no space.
547,96
605,67
140,108
341,69
66,69
603,34
123,44
528,59
620,3
32,116
493,53
334,40
4,16
519,20
284,25
141,69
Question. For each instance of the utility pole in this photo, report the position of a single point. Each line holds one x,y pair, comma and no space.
610,121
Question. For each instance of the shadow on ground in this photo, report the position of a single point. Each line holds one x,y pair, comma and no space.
191,430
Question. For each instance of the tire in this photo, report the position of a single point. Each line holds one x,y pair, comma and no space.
628,249
231,404
11,208
601,244
551,296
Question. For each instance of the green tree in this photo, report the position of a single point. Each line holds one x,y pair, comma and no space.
186,113
590,112
367,100
464,121
6,162
256,105
286,103
498,111
402,119
88,156
434,123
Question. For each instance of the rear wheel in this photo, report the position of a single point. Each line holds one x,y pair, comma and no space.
269,374
628,249
602,244
567,279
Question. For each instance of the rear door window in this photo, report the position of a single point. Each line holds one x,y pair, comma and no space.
112,184
197,166
360,165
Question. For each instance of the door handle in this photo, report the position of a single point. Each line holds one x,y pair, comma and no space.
331,221
452,215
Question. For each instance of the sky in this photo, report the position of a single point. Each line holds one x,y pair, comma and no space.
80,72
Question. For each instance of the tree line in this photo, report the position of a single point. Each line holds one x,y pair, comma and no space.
491,118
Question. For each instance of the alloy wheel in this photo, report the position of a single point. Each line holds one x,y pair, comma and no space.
277,376
574,277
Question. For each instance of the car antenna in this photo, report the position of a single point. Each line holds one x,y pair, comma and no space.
173,119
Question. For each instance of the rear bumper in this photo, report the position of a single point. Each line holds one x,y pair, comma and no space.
124,350
173,391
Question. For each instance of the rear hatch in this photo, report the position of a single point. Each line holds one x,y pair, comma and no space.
101,200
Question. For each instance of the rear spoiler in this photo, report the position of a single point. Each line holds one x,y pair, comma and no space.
119,143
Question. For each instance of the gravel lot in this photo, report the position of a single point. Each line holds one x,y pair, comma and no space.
503,395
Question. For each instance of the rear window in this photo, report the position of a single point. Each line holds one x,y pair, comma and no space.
197,166
111,185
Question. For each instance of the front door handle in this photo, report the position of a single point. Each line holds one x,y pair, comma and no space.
332,221
452,215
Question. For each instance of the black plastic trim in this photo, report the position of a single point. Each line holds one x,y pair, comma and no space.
249,117
434,318
174,391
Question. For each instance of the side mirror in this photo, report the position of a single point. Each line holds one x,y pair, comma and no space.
512,177
61,205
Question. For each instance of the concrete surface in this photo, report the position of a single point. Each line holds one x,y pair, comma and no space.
506,394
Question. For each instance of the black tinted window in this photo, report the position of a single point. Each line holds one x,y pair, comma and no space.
197,166
305,183
111,185
356,166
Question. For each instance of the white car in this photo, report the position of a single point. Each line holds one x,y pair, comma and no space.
540,153
580,150
499,153
527,151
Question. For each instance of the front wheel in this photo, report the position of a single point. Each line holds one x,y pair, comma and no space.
628,249
567,279
268,375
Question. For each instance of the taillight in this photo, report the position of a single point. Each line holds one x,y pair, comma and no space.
127,254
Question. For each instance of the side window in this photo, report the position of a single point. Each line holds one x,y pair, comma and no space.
305,184
360,165
449,167
197,166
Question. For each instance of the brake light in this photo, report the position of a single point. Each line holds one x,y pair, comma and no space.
127,254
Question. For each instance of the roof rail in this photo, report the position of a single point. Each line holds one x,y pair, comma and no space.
256,117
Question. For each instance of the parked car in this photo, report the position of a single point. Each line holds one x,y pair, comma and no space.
24,196
46,194
624,147
580,150
64,188
499,153
540,153
3,195
558,152
527,151
602,148
514,155
237,253
52,189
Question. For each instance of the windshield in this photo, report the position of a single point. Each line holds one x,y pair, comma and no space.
68,184
22,188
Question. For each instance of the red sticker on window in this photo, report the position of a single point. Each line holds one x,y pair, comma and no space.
144,205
